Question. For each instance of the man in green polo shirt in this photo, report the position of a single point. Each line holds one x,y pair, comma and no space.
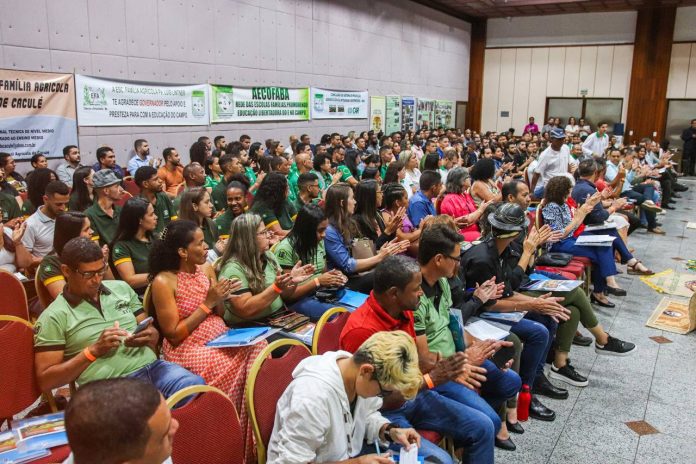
236,206
87,333
338,155
308,190
230,165
152,189
386,156
103,214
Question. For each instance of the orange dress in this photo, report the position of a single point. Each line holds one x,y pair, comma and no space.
223,368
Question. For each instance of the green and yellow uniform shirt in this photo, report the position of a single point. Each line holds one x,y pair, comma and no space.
284,218
10,207
251,175
233,270
164,210
345,173
210,182
224,223
324,179
432,317
210,233
104,227
219,195
287,257
132,251
71,324
49,270
294,190
28,208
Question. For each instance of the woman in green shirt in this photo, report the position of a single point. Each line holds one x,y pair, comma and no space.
213,172
305,244
264,287
196,206
272,204
132,243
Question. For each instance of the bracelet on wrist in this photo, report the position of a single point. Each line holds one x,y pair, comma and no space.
205,309
276,288
89,355
316,282
429,381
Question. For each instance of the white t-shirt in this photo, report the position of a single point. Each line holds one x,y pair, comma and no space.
552,163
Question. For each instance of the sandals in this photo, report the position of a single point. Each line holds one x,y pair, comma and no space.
633,271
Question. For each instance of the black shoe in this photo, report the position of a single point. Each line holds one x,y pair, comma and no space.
581,340
514,428
569,375
543,387
676,195
608,304
680,187
658,224
540,412
668,207
506,445
615,291
616,347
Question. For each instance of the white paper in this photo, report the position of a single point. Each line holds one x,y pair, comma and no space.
606,225
485,331
595,240
691,225
409,456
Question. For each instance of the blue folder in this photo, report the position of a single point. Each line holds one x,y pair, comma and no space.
238,336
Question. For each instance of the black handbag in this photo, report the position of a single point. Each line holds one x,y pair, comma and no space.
554,259
330,294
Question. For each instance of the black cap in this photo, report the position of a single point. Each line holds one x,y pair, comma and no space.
509,217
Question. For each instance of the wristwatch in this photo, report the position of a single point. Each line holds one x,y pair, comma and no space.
387,434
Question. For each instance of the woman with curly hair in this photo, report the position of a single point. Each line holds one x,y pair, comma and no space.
557,214
272,204
188,298
484,187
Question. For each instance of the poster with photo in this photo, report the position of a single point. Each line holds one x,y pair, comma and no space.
237,104
444,114
393,108
425,113
338,104
377,114
408,113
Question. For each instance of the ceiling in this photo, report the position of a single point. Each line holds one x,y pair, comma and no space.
473,9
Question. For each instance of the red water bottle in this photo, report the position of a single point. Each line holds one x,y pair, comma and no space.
524,399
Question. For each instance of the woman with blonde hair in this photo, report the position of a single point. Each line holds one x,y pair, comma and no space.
330,411
412,179
247,258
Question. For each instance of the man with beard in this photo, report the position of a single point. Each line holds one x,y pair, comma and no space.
172,173
152,189
65,170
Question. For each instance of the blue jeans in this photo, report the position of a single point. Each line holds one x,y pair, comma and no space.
311,307
640,193
602,258
551,327
537,342
168,378
500,385
466,425
539,192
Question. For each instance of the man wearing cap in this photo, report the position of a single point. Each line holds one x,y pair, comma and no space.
538,327
596,143
152,189
103,214
554,161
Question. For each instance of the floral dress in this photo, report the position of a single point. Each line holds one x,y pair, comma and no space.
223,368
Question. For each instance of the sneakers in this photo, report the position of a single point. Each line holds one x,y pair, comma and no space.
650,206
615,347
569,375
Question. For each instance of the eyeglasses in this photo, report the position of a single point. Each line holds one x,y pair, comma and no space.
382,392
92,274
265,232
453,258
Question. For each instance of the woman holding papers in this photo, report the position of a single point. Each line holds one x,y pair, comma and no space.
187,299
558,215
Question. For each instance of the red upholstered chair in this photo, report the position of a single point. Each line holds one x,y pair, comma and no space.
328,330
130,186
209,428
268,379
14,301
126,196
18,387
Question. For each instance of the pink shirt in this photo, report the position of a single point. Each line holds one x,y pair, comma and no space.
458,205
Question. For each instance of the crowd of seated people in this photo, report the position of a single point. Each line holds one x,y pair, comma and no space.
419,222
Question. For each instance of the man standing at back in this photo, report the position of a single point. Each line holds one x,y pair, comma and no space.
554,161
689,138
596,143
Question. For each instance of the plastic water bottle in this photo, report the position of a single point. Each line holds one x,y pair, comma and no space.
523,401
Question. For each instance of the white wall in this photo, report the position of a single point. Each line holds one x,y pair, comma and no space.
386,47
569,29
685,24
519,80
682,71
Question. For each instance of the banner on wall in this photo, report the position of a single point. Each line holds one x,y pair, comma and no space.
444,114
37,113
393,113
338,104
425,113
377,114
104,102
236,104
408,113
